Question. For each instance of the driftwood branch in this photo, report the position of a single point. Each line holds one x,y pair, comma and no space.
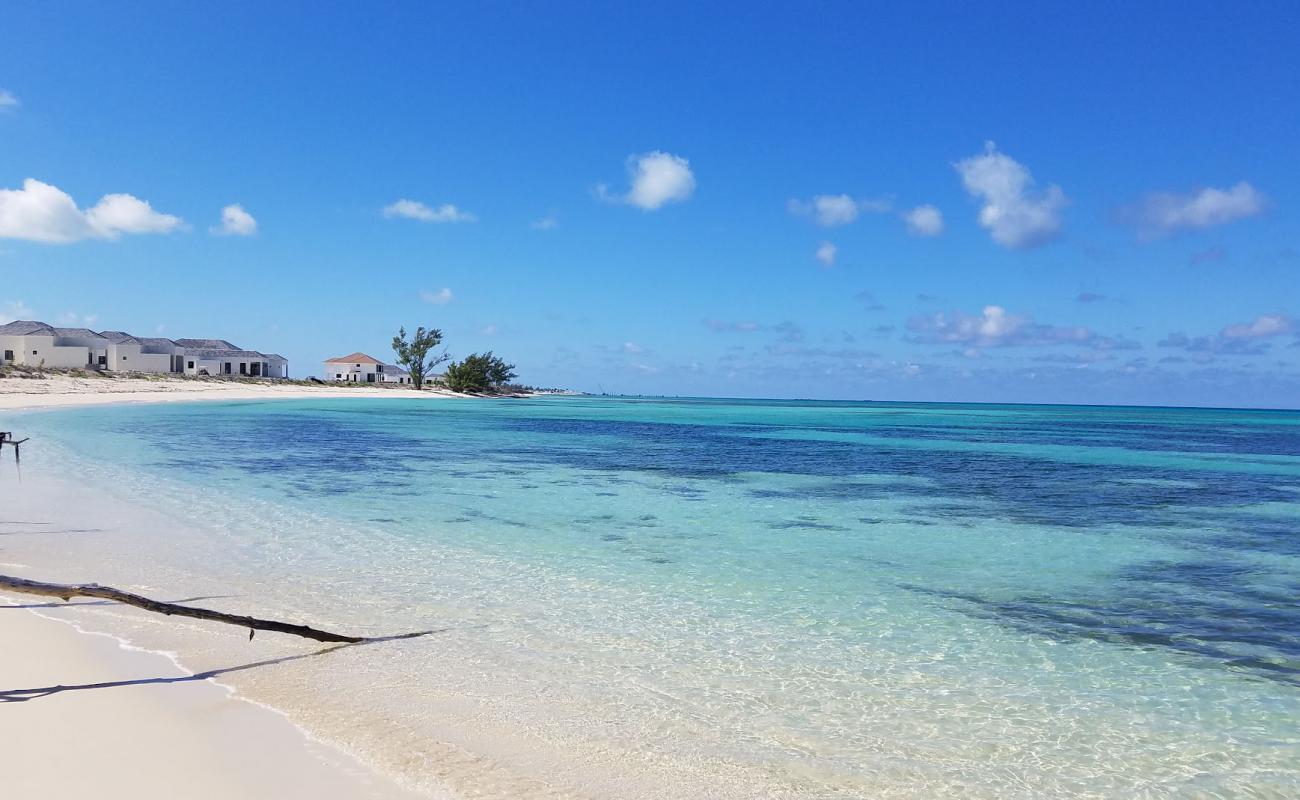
67,591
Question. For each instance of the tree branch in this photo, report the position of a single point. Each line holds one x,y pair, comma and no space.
67,591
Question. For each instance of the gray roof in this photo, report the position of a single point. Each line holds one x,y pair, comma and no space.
155,341
222,352
82,333
208,344
120,337
23,327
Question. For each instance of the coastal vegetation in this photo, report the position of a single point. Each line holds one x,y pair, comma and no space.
414,356
479,373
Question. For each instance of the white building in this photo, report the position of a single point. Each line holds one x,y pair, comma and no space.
36,344
219,357
361,368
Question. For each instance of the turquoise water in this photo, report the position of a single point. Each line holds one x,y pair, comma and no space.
671,598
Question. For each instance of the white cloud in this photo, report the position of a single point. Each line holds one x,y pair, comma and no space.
439,298
39,212
549,222
994,327
1261,327
15,309
8,100
490,330
116,214
235,221
832,210
73,319
1014,214
412,209
925,220
657,178
826,253
1164,213
632,347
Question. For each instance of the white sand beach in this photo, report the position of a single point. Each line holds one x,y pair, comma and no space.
81,712
61,391
81,715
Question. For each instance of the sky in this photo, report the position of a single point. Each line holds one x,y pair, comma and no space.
1018,202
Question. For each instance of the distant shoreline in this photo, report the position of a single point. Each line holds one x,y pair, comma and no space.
65,391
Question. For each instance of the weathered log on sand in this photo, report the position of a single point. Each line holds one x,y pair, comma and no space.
67,591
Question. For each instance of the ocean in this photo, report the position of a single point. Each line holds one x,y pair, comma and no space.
680,598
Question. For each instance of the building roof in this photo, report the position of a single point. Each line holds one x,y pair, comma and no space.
120,337
223,352
355,358
24,327
155,341
207,344
83,333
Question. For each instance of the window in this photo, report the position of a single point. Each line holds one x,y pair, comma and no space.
9,355
379,368
33,352
191,365
124,358
243,368
103,361
338,376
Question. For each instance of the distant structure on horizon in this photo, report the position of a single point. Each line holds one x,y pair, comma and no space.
361,368
36,344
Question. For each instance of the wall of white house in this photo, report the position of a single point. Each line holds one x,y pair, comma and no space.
129,358
345,371
238,367
58,356
11,348
38,349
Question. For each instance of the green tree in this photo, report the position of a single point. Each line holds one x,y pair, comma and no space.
479,373
414,355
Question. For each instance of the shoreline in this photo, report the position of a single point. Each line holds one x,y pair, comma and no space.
66,391
139,725
137,721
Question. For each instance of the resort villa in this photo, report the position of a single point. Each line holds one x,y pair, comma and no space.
36,344
361,368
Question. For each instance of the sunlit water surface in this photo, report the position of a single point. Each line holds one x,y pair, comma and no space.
733,599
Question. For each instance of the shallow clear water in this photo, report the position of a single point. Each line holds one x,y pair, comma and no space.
716,598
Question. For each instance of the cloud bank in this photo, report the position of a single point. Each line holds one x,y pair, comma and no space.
39,212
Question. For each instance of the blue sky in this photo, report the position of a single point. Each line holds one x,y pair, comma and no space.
716,199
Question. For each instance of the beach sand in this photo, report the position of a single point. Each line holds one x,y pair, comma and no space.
127,723
124,723
63,391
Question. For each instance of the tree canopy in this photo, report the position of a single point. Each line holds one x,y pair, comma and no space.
479,373
414,355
